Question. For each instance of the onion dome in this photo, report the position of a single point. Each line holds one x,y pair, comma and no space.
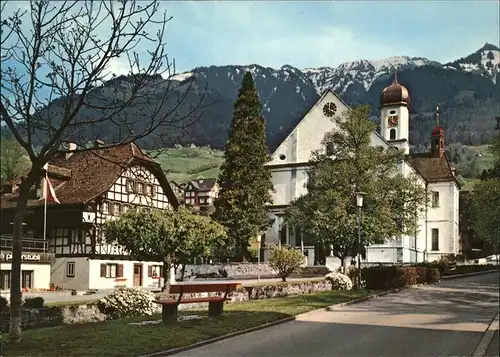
395,94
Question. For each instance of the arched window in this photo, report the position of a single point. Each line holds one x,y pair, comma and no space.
330,148
392,134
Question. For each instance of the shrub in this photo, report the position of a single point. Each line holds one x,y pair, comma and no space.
339,281
392,277
3,303
378,277
432,275
352,272
403,277
126,302
285,260
421,274
34,302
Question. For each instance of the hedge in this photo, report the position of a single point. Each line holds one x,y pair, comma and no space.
394,277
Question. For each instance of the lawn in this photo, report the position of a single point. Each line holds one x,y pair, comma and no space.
118,338
184,164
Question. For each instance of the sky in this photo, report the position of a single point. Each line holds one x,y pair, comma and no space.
322,33
327,33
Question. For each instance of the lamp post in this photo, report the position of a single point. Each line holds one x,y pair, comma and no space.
259,238
359,204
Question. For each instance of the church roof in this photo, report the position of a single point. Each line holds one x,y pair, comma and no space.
86,175
433,169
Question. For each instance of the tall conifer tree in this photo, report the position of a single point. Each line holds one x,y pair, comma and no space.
245,182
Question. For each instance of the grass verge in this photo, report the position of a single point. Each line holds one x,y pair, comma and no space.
118,338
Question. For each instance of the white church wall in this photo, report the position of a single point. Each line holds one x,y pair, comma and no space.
307,136
444,218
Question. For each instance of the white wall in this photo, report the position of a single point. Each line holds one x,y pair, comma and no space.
81,279
96,282
444,218
41,273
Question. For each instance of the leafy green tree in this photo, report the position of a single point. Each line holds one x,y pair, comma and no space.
328,211
245,182
494,149
169,236
486,198
285,260
14,159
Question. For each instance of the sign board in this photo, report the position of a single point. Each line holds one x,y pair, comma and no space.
24,257
29,257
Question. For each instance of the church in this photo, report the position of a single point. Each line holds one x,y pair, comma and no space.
438,232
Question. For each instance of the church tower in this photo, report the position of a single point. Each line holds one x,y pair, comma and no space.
395,115
437,138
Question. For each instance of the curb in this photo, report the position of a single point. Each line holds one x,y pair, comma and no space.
451,277
293,318
220,338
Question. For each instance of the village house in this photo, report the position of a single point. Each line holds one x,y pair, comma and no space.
201,192
438,232
92,186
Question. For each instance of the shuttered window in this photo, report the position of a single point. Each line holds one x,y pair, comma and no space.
111,270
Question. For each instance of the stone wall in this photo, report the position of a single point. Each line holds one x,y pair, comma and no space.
72,314
234,270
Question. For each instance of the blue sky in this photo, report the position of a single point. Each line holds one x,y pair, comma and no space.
326,33
322,33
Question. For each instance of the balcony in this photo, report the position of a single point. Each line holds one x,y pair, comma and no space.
27,244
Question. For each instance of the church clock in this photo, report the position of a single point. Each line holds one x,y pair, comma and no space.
392,120
329,109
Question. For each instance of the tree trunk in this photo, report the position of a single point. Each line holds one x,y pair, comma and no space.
167,264
283,278
15,283
183,271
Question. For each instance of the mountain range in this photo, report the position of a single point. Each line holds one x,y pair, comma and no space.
468,91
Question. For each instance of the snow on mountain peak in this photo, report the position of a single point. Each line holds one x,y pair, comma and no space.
360,71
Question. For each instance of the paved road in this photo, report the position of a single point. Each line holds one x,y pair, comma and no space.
52,298
447,319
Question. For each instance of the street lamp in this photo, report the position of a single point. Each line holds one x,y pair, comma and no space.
259,238
359,204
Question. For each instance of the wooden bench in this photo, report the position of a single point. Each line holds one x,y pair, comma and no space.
215,303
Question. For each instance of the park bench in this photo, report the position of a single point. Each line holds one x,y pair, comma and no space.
215,303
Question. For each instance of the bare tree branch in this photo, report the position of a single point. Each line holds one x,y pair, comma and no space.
57,85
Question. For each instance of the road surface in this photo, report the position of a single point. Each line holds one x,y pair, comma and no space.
447,319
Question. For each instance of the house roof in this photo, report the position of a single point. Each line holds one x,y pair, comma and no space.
88,174
433,169
202,184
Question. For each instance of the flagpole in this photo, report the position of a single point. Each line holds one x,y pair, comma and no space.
45,207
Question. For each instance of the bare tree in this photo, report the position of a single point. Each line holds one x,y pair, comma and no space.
56,58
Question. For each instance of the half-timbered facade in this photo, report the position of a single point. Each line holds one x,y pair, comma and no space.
92,187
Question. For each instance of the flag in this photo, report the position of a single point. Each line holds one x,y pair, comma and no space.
49,192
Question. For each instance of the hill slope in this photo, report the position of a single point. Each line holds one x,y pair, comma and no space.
467,89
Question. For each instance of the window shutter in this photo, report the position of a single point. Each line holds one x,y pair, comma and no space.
150,271
103,270
119,273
